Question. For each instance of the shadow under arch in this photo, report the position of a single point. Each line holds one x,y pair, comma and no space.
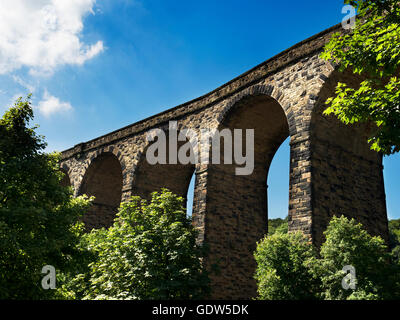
347,177
237,208
103,179
148,177
65,181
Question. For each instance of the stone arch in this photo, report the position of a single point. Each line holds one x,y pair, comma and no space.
148,178
347,177
107,149
259,89
236,205
103,179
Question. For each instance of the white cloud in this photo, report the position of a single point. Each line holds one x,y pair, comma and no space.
51,105
44,34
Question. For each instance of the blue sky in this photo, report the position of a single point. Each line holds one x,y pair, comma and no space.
96,66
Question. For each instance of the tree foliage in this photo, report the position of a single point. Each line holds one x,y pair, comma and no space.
394,239
349,244
288,267
371,49
394,233
38,217
150,252
283,271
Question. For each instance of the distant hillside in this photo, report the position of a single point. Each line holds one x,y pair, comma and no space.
394,233
277,225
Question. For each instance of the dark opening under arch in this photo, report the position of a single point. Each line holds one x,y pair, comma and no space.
103,180
153,177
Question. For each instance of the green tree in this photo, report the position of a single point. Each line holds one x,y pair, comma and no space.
394,239
394,233
283,267
289,268
372,50
349,244
150,252
38,217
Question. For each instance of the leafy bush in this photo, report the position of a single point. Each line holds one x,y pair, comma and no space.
348,243
289,268
394,233
283,271
149,253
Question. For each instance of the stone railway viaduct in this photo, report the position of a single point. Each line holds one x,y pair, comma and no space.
332,170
